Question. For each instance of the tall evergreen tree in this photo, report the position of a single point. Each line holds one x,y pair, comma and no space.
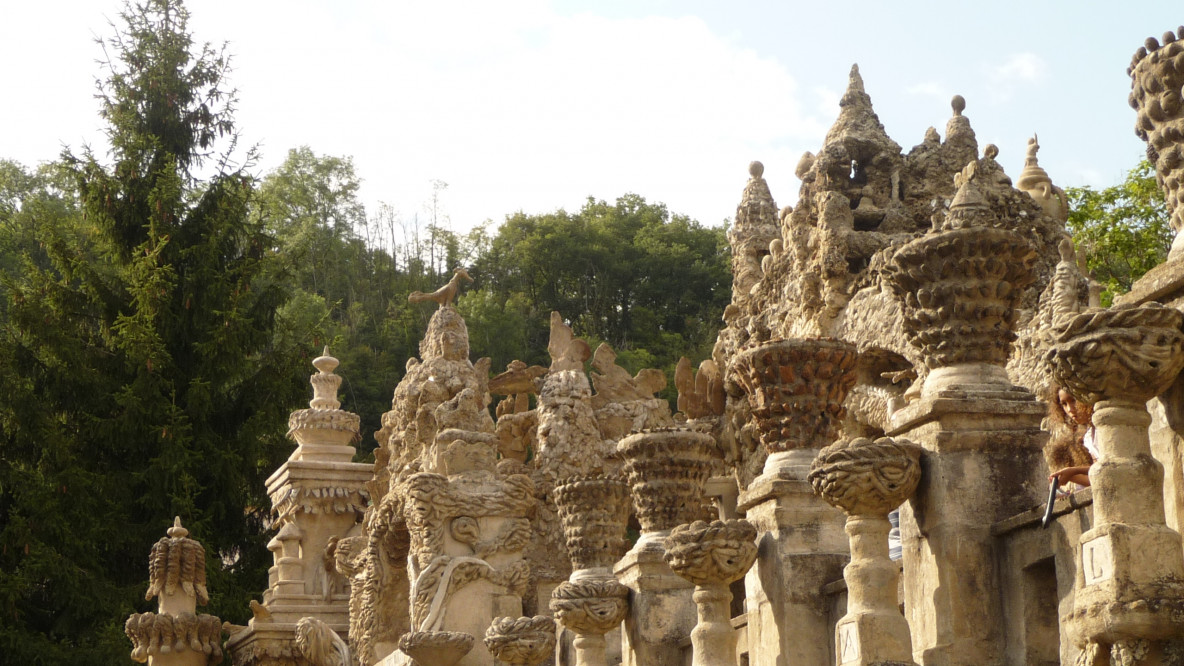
142,376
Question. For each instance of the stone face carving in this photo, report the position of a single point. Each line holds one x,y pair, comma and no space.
444,295
712,556
1130,580
796,390
1035,181
590,608
1156,83
867,480
523,640
320,645
176,634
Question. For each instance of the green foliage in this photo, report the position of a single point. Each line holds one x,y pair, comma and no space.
1123,230
143,375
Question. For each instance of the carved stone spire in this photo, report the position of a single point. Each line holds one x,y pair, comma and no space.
175,635
1035,181
324,431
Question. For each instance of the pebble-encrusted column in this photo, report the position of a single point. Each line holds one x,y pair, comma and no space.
594,511
796,389
712,556
522,640
1129,592
667,470
868,480
1156,81
176,635
958,288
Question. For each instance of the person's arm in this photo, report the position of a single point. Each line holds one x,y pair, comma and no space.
1078,475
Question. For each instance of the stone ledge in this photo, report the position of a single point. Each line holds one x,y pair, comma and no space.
1157,284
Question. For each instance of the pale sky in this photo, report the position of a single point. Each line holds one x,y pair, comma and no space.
534,105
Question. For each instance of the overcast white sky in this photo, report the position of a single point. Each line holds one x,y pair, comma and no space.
534,104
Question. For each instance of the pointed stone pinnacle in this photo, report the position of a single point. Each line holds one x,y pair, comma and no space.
756,169
855,81
176,531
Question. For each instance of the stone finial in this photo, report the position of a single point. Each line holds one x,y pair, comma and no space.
1035,181
567,351
177,565
594,511
1157,78
865,477
958,104
325,384
523,640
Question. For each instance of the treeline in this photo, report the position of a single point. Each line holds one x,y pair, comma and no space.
159,308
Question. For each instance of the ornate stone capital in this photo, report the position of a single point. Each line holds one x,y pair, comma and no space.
1128,353
714,553
864,477
155,634
522,640
594,511
667,469
796,389
590,607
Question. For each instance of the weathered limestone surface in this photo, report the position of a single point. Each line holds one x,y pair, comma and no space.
175,635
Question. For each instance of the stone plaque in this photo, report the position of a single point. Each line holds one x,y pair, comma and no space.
1097,560
848,643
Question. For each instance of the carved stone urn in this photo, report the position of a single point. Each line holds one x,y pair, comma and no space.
796,390
958,290
712,556
1156,80
867,480
436,648
591,609
1130,582
594,511
522,640
667,469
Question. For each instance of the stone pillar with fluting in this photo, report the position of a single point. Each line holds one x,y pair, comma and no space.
594,511
667,470
1129,589
867,480
796,389
175,635
712,556
522,640
958,288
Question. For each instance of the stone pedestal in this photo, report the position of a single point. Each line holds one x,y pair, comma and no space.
1130,582
868,480
523,640
712,556
983,463
667,470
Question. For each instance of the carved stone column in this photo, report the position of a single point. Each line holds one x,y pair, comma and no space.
796,390
594,511
523,640
958,287
667,470
868,480
175,635
712,556
1130,584
1156,81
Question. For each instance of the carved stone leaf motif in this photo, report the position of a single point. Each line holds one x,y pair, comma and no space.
177,562
319,644
523,640
590,607
865,477
153,635
1129,352
667,469
718,552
